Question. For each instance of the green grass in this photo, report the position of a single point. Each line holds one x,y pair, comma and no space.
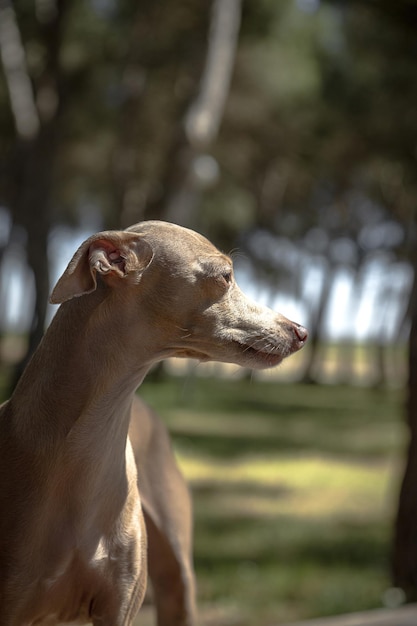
294,493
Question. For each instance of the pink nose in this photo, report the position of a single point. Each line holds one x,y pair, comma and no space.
301,332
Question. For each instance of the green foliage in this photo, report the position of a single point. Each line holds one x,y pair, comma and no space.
320,99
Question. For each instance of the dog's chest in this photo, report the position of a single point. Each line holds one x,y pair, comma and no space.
66,593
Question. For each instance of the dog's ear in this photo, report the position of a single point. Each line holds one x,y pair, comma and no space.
113,254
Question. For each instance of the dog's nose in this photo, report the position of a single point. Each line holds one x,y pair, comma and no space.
301,332
299,336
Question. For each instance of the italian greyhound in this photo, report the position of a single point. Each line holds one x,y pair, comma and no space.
87,475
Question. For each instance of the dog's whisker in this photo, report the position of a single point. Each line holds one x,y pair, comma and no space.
262,345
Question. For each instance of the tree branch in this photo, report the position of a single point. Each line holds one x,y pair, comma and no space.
20,90
204,117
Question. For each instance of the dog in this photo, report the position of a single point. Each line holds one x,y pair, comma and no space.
86,471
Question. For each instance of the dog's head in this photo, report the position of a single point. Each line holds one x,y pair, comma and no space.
183,294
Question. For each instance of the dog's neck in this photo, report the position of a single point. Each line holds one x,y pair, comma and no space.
82,367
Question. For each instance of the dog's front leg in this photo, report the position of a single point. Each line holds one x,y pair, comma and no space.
167,508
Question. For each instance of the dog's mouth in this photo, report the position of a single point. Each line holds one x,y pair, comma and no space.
261,353
264,353
261,356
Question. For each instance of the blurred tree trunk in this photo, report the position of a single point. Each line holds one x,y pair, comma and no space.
405,538
35,111
33,169
3,247
181,183
315,325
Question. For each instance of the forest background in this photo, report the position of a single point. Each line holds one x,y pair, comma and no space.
284,131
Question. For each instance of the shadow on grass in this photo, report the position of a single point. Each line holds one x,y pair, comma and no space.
206,488
229,447
228,419
343,441
290,540
256,545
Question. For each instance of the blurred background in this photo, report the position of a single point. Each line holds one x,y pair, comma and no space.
286,132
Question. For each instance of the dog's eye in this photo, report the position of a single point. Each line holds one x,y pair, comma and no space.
227,277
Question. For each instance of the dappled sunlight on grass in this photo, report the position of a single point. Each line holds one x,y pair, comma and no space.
294,492
313,486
